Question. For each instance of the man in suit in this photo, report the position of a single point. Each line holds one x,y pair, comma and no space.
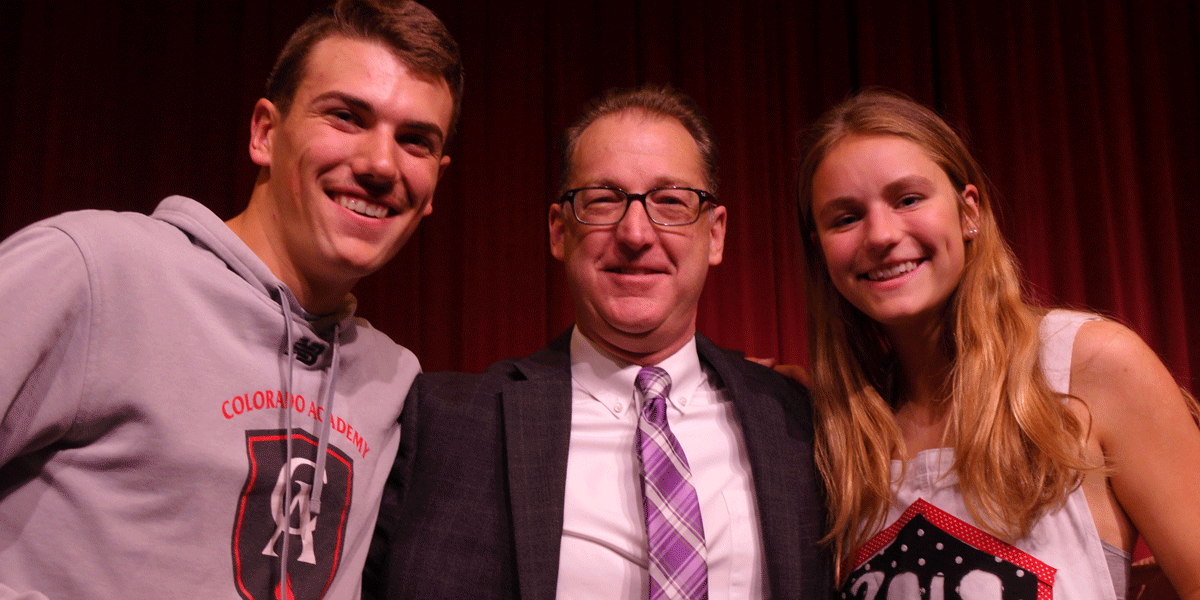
568,473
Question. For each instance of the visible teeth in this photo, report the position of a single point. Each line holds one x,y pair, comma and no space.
363,208
892,272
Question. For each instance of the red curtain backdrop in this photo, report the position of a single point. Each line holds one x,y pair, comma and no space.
1085,114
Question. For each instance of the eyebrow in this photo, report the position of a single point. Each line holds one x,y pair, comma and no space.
355,102
658,183
905,182
837,204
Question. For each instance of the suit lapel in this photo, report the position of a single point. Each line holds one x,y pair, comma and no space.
537,431
774,457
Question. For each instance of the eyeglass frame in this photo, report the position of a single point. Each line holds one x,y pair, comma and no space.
568,197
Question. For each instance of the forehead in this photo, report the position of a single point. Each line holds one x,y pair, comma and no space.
638,150
865,161
369,70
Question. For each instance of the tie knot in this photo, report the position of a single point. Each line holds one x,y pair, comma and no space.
653,382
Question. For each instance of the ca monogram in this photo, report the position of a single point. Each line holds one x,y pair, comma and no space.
283,521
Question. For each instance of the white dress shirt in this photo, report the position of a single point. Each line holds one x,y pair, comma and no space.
603,551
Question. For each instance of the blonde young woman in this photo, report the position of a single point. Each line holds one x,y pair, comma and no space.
974,445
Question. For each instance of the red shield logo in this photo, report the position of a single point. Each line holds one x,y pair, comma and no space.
264,524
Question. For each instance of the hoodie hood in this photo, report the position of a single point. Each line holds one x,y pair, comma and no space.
208,230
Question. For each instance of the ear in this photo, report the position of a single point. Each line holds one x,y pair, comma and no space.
970,212
445,162
558,231
716,233
262,125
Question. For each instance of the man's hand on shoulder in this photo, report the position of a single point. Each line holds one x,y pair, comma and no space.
797,372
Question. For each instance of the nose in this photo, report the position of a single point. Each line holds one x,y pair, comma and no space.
635,230
882,228
377,163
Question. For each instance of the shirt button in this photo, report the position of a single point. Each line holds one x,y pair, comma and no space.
683,401
618,407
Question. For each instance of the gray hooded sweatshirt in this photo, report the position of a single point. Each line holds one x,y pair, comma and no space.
152,369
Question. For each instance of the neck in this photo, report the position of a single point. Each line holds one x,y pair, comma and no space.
923,412
254,227
923,360
623,352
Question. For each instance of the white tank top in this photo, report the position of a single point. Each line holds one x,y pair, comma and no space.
931,549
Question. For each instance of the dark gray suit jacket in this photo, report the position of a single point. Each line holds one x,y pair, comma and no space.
474,507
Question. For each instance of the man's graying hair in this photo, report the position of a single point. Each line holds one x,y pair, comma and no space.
653,100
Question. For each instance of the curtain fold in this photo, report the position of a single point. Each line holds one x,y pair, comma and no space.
1083,114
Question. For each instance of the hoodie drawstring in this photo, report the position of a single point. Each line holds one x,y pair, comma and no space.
314,503
287,465
325,400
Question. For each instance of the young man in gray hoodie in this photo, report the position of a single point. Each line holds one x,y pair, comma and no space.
189,408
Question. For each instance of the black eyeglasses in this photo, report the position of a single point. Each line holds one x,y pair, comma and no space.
670,206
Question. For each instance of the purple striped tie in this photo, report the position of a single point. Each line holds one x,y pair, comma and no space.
674,531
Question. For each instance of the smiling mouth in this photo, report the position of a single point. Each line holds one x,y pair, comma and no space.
632,271
364,208
891,272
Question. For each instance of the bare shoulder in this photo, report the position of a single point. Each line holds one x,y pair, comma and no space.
1106,343
1110,363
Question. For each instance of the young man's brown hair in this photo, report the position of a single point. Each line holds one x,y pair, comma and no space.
416,36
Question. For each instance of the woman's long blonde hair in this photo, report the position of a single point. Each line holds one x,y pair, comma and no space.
1018,448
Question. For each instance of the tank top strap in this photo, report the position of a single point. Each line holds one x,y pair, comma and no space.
1057,331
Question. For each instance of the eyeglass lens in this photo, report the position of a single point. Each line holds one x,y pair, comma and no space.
667,206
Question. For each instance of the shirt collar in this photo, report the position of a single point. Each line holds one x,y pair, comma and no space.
609,379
